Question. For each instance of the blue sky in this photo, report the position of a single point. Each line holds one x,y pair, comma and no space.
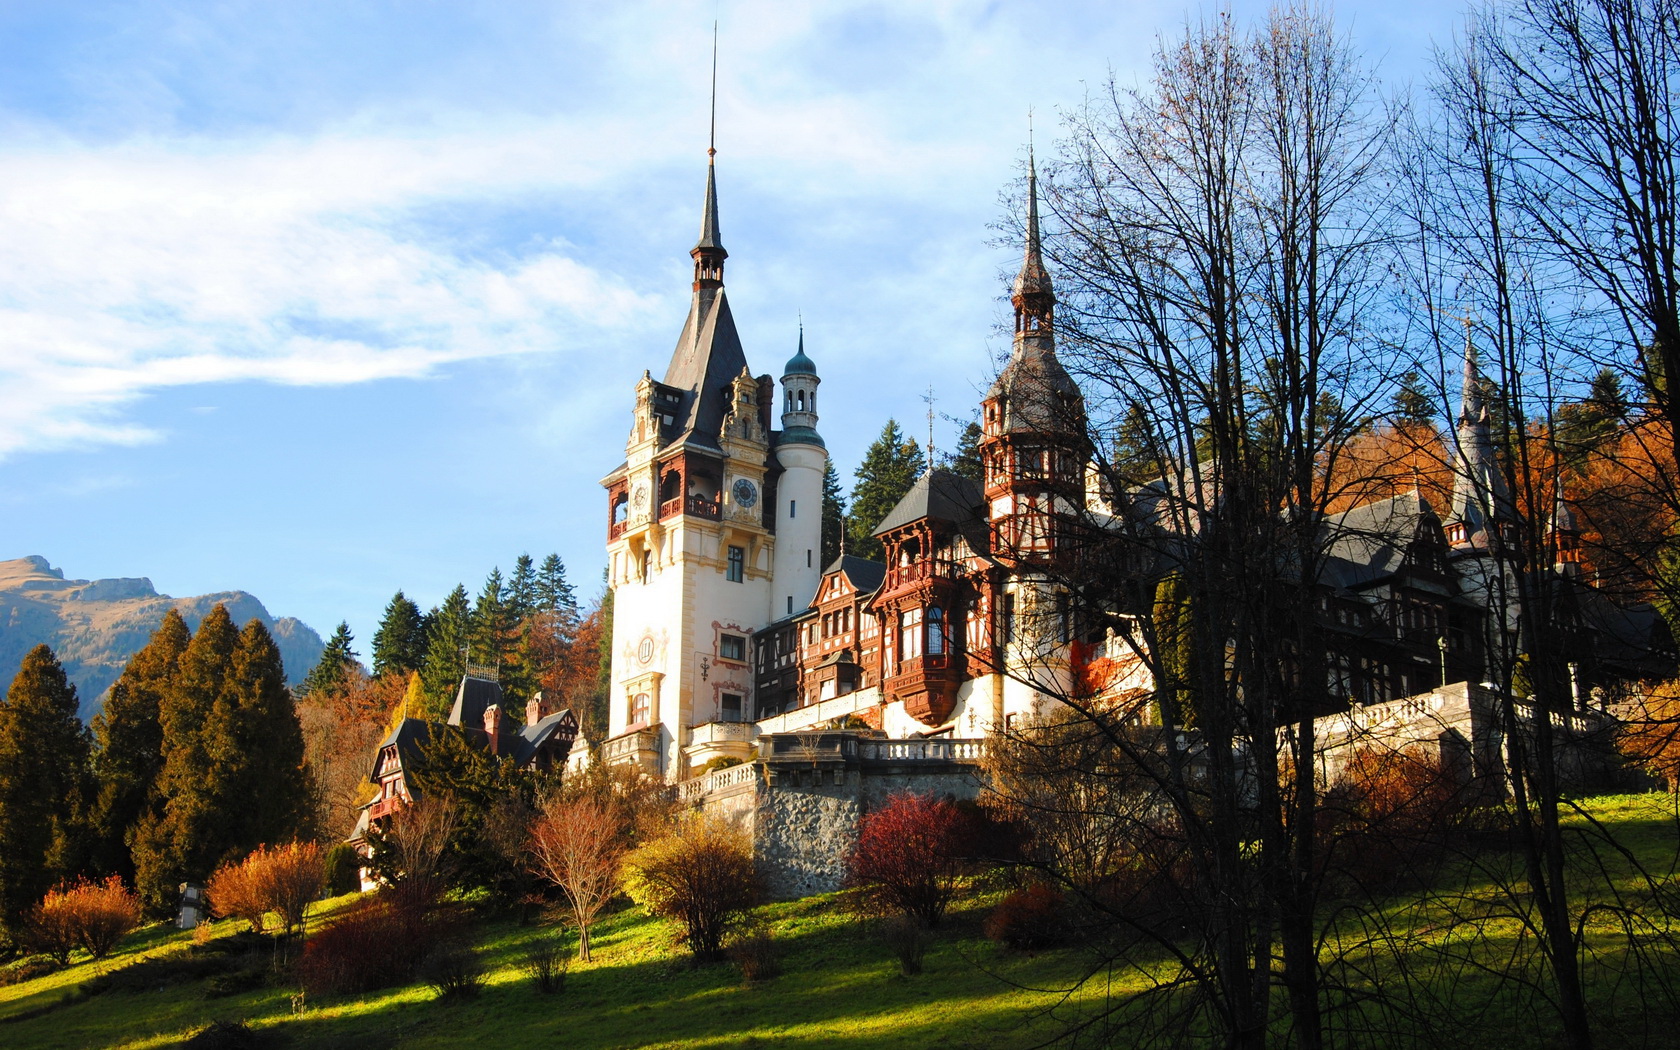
320,300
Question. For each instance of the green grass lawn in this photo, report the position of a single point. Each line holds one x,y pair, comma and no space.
840,986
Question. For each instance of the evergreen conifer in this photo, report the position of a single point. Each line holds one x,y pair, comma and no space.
44,785
522,588
256,746
890,466
446,653
400,643
172,843
333,669
1413,403
129,738
553,592
967,462
492,632
833,515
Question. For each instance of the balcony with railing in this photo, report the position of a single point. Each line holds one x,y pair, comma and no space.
638,746
916,571
723,733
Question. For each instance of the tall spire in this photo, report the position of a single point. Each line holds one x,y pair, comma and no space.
1033,296
1481,504
708,253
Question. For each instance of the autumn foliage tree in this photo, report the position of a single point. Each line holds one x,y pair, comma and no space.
700,874
577,845
908,855
282,880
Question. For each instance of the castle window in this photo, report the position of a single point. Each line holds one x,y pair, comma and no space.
909,634
935,631
737,570
807,558
640,707
793,508
732,647
730,708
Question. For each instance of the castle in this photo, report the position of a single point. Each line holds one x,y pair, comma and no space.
727,629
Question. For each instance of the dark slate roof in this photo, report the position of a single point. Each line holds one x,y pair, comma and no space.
1371,541
940,495
471,698
865,575
409,736
709,237
704,364
1039,395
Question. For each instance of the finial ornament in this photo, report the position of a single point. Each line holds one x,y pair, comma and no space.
711,138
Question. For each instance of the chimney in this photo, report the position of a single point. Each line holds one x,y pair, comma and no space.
534,710
493,727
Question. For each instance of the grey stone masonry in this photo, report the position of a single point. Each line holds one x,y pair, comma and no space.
802,798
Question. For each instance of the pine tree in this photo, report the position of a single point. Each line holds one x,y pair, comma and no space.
256,748
553,592
1413,404
1587,425
890,466
967,462
522,588
833,515
331,671
129,739
492,631
179,840
446,653
44,784
400,643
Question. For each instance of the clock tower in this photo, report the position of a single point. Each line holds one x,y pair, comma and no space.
691,537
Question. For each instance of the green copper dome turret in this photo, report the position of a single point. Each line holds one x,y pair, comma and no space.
799,364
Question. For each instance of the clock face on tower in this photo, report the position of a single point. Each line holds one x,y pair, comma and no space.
746,493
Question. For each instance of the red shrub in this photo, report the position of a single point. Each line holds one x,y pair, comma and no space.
909,854
377,943
1029,919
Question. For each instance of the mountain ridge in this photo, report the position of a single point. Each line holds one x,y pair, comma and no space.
94,626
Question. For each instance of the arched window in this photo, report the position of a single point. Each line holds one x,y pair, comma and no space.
620,509
935,631
640,707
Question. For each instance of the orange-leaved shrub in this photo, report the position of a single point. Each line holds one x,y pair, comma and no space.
1388,814
282,880
90,915
908,855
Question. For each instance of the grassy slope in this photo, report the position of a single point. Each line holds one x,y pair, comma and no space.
839,987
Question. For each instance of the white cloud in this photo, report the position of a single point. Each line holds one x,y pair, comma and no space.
141,265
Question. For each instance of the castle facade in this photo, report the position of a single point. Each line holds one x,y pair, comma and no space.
727,627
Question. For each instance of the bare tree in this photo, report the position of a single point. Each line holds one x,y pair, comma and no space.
1224,234
578,844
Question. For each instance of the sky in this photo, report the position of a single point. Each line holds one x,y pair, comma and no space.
324,300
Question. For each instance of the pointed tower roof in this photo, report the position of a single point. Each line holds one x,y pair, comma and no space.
708,355
1033,280
1039,395
1479,497
709,237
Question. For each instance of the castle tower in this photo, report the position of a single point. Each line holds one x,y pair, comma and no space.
1481,508
799,491
1033,442
689,547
